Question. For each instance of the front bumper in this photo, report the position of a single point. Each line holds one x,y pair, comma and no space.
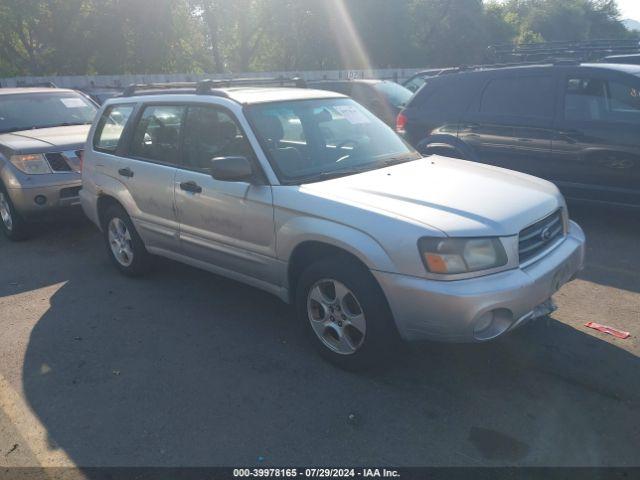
35,200
454,311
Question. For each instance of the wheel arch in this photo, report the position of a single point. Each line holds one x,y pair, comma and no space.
322,238
443,143
109,191
105,201
311,251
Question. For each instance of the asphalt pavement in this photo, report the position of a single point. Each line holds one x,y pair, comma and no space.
184,368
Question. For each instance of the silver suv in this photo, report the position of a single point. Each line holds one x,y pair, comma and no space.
309,196
42,134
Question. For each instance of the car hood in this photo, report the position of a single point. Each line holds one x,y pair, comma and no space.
457,197
46,139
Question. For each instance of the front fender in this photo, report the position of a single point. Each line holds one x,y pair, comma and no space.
297,230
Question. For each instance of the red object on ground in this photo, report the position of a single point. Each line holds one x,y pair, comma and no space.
610,330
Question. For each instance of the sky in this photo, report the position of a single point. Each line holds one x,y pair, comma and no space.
630,9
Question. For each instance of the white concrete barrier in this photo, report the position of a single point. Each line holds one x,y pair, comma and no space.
83,81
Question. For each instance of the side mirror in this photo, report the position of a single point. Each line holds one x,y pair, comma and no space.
231,169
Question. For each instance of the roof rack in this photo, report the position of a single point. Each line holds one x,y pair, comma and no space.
439,72
589,50
23,84
210,87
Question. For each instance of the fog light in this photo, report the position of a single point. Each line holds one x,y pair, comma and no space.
484,322
40,200
492,324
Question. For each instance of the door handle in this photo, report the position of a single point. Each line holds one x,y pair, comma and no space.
192,187
126,172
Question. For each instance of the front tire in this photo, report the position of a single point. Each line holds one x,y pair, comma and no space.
345,313
124,245
14,227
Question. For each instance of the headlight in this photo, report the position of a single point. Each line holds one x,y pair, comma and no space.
34,164
449,256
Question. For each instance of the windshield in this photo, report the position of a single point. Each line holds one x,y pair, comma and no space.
26,111
311,140
397,95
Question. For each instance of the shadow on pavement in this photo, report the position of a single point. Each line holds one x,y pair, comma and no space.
613,236
184,368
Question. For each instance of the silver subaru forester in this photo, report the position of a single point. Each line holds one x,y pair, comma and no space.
309,196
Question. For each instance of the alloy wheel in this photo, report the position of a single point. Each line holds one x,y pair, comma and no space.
120,242
5,212
336,316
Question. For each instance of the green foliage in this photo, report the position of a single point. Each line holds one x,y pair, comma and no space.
551,20
76,37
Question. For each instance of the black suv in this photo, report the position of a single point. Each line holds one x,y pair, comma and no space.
576,125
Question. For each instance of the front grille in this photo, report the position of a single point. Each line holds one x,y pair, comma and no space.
58,162
541,235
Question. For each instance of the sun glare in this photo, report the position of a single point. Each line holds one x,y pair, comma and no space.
352,51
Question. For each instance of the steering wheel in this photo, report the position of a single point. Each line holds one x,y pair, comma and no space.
344,144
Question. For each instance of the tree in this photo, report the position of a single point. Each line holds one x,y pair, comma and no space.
553,20
75,37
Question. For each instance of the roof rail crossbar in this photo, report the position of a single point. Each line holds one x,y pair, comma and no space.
579,50
22,84
138,87
211,86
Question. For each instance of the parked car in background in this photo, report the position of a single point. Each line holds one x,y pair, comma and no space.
309,196
577,125
42,134
102,94
384,98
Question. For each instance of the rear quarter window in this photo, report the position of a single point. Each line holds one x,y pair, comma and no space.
110,128
446,95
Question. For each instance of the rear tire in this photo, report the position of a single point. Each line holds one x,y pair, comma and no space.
124,245
345,313
14,227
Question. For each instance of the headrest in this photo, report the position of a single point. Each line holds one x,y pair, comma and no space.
323,116
227,130
270,127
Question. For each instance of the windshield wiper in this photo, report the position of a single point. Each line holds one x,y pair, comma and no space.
336,174
38,127
354,171
402,159
70,124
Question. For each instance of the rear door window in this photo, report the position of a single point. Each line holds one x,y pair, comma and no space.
519,96
157,134
593,99
110,127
